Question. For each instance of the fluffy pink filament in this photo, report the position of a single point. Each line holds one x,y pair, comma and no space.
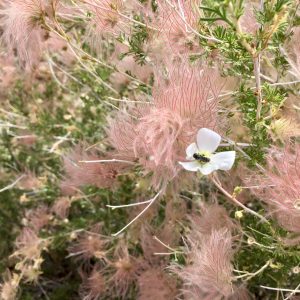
126,271
19,21
78,173
90,245
38,218
191,92
93,286
158,141
177,23
61,207
213,217
210,272
280,186
157,135
106,17
155,285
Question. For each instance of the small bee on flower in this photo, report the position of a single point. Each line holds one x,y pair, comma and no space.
201,154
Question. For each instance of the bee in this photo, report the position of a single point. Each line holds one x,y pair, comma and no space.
201,158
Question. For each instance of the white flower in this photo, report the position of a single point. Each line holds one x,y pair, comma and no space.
201,154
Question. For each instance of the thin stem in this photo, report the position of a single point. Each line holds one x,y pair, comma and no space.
256,61
165,245
251,275
140,214
280,289
236,201
12,184
107,161
129,205
293,292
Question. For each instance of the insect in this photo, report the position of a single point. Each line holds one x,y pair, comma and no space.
201,158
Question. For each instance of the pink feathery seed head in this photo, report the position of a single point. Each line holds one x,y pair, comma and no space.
106,17
29,245
101,174
158,135
213,217
154,284
190,91
61,207
8,72
158,139
9,285
126,270
209,273
19,20
38,218
90,245
183,103
30,181
122,132
93,286
28,140
176,21
280,186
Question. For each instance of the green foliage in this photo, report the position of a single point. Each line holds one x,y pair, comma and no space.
273,99
264,244
136,41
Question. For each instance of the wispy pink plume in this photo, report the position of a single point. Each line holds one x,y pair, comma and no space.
21,32
158,142
93,286
122,132
176,23
29,181
154,284
61,207
158,134
29,245
78,173
38,218
90,245
106,17
279,186
191,92
209,273
126,270
213,217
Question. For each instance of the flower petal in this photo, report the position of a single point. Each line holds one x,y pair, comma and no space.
192,166
191,150
207,168
208,140
223,160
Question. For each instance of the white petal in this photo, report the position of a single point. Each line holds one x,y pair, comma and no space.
223,160
208,140
192,166
191,150
207,168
